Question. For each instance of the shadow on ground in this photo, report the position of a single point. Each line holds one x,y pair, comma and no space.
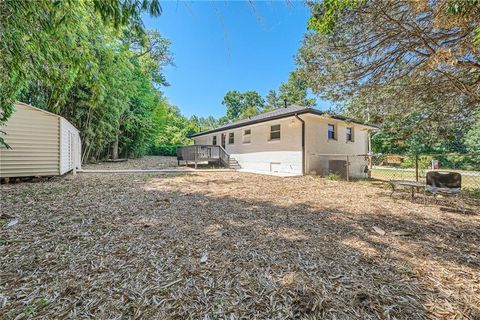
223,245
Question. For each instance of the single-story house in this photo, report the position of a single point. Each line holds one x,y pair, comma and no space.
293,140
40,144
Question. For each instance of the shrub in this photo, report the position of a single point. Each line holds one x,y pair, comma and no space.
424,162
163,150
332,176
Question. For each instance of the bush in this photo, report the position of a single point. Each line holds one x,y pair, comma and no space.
424,162
333,176
163,150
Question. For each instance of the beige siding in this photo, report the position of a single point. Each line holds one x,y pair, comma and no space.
283,157
33,136
318,144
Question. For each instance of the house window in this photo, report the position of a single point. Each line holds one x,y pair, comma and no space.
275,132
247,136
231,138
214,140
332,135
349,134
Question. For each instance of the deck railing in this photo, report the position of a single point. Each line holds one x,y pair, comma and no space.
201,153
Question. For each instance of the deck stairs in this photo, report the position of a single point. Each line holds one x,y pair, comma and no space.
233,163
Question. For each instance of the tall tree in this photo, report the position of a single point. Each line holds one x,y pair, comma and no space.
242,105
46,39
414,45
104,80
294,92
411,65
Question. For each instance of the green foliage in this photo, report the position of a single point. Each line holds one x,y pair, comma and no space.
466,10
164,150
242,105
332,176
294,91
472,137
204,124
424,162
409,66
326,13
91,62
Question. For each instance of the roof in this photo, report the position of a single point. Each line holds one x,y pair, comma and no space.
278,114
18,103
37,109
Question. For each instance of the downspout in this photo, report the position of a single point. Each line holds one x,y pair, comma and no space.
303,143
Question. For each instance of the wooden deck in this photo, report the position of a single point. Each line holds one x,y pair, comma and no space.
203,153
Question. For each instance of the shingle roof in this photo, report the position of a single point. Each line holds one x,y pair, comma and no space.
271,115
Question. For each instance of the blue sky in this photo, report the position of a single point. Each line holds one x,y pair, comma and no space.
224,45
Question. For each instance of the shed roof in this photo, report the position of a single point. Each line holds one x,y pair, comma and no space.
37,109
278,113
29,106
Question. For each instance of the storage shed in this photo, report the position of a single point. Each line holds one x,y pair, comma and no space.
41,144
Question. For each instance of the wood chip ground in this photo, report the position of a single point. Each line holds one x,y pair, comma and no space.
231,246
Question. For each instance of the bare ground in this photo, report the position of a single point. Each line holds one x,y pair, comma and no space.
149,162
230,246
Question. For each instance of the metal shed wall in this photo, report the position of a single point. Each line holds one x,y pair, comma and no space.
34,138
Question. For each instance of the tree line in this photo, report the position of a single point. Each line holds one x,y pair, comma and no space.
94,63
410,66
241,105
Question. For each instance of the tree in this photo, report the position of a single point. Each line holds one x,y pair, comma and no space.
273,99
294,92
242,105
204,124
46,39
411,66
414,45
472,137
102,79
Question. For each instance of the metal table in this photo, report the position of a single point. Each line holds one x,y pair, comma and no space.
406,183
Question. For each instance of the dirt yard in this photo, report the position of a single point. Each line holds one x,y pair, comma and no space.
231,245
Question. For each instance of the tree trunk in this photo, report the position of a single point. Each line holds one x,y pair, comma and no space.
114,149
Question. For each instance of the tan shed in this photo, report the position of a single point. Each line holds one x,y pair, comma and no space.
41,144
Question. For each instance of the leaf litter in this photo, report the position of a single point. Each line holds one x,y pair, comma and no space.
232,246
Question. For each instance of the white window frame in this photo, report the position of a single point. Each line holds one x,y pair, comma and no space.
352,134
275,131
247,138
233,137
334,131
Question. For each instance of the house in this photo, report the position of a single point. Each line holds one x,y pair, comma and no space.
41,144
294,140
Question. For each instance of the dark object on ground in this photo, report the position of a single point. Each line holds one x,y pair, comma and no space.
444,182
116,160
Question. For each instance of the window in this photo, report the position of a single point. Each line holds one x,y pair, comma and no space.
275,132
214,140
349,134
247,136
231,138
332,135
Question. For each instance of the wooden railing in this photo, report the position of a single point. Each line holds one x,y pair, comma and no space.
200,153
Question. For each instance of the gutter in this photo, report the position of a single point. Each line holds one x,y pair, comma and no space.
281,116
303,143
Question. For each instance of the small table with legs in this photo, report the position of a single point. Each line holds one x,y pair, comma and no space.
405,183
